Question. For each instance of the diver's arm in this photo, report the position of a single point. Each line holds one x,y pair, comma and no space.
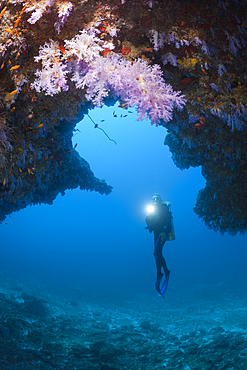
151,223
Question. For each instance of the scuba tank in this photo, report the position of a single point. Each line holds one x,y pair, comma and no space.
171,235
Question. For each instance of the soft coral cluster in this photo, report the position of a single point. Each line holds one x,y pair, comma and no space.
39,8
64,10
84,47
135,82
52,77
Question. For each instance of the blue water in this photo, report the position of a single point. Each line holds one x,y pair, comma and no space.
89,260
98,243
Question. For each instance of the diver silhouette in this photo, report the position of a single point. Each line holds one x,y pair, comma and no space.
159,221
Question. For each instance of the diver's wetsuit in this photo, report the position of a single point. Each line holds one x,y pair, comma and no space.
159,222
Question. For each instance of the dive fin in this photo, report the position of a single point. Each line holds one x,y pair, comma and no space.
165,285
157,286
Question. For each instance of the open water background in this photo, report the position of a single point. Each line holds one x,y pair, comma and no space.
96,248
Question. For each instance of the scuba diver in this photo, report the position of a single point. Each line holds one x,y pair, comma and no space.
159,221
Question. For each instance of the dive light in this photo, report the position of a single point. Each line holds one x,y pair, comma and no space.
150,209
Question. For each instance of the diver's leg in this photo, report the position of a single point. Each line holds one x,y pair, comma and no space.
163,261
158,259
164,265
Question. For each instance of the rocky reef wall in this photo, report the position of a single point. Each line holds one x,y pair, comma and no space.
185,70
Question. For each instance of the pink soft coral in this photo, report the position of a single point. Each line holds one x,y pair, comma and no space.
137,83
52,77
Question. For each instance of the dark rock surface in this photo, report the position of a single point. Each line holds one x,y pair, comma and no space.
201,54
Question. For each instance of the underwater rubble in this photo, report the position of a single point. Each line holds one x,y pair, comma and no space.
184,70
44,330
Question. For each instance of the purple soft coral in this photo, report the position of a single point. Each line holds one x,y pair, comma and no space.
137,83
63,13
52,77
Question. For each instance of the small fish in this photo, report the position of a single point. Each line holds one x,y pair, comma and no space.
14,67
20,169
8,30
12,110
75,145
185,81
4,181
198,98
3,11
147,50
129,111
102,120
18,20
202,120
33,168
198,125
126,115
123,105
41,125
2,65
14,92
17,56
29,171
30,116
23,10
203,70
114,114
